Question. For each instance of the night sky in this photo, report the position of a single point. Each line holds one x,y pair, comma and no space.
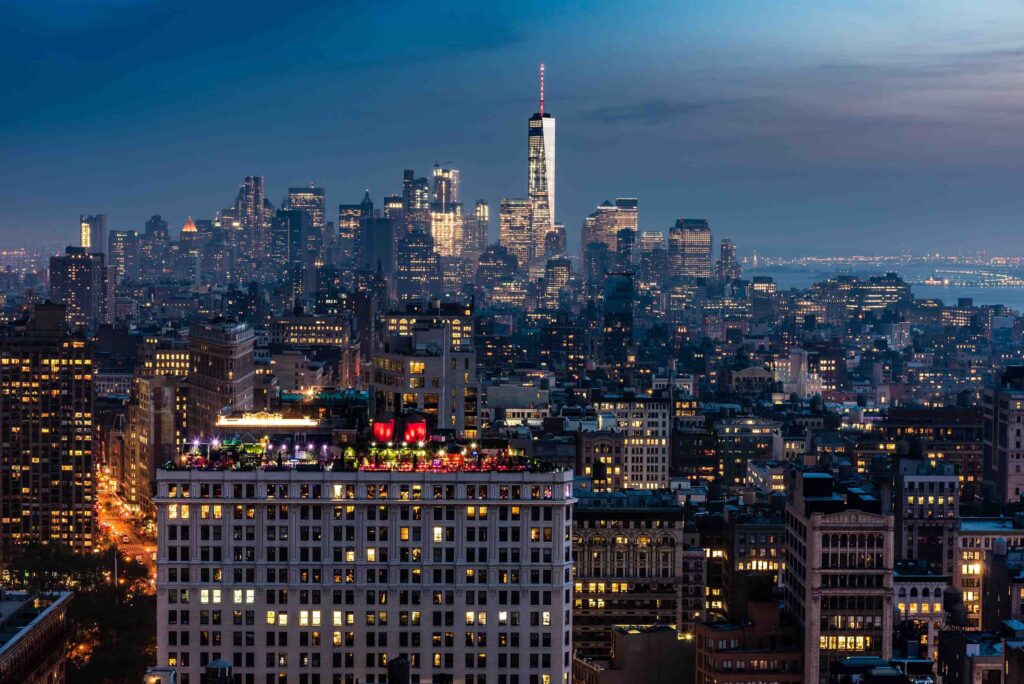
795,127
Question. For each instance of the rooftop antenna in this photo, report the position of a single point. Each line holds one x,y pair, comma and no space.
542,87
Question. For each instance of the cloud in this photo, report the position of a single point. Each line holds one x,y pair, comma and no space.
647,113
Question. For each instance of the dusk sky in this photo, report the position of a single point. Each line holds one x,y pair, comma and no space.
795,127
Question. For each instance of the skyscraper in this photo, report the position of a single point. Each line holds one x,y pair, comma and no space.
289,237
78,281
541,191
351,218
619,295
554,241
46,429
416,198
312,201
556,279
222,377
446,227
418,269
728,267
446,186
515,232
256,244
605,222
93,233
689,249
475,230
123,254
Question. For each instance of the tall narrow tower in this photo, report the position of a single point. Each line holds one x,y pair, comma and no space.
542,170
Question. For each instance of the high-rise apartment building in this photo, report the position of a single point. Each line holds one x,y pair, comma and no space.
93,231
475,230
79,281
541,154
222,374
123,254
46,428
316,575
728,266
689,249
515,233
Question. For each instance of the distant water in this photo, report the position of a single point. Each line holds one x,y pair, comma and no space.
802,277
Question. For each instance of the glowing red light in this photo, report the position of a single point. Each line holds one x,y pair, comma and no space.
383,431
416,431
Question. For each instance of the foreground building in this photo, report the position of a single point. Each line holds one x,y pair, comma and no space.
46,428
628,547
838,579
459,561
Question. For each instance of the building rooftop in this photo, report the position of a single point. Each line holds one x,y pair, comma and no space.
20,610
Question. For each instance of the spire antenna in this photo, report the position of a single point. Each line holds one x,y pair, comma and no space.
542,87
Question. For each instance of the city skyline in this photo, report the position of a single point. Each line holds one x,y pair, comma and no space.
829,125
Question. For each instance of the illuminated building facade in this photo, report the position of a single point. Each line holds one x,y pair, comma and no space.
728,266
689,249
476,230
602,459
350,221
975,538
46,426
628,550
222,375
416,198
446,227
417,267
123,254
254,226
746,439
78,280
309,331
606,222
556,279
312,201
424,371
456,316
919,604
541,157
645,420
838,579
514,231
93,233
927,505
464,570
